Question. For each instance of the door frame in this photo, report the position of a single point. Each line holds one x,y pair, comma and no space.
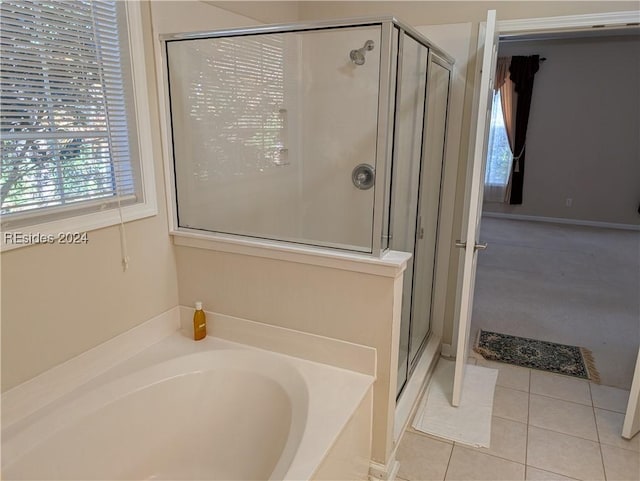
567,23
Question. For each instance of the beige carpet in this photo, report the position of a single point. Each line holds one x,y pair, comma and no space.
567,284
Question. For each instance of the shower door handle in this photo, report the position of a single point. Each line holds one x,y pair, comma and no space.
363,176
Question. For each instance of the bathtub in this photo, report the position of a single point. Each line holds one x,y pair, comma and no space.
224,412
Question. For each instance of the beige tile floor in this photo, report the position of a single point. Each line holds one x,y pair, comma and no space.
544,427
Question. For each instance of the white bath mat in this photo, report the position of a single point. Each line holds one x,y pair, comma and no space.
469,423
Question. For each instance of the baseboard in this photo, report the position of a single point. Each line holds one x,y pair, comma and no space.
561,220
415,386
383,472
447,351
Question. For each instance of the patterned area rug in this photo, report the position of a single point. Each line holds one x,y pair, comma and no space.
546,356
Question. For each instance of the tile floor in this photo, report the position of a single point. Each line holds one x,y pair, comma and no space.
545,427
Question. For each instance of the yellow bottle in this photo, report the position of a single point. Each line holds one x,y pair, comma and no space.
199,323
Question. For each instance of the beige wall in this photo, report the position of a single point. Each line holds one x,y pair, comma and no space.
433,13
582,139
264,11
58,301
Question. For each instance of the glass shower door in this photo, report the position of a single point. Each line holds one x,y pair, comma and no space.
428,207
409,125
422,101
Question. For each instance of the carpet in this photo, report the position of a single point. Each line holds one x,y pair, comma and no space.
469,423
545,356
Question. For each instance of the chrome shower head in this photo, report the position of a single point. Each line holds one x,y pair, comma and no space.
357,56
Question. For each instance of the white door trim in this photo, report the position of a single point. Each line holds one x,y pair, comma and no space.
569,22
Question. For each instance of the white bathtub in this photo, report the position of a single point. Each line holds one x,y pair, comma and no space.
225,412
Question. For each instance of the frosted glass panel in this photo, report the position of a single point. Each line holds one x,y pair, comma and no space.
429,207
406,175
267,130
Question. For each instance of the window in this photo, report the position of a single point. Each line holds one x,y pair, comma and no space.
73,131
498,155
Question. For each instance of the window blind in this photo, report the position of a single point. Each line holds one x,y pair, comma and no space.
235,95
64,99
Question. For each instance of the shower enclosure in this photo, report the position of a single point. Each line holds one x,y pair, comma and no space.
328,134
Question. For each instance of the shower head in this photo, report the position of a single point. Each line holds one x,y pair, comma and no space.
357,56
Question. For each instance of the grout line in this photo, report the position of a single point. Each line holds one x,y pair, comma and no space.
609,410
552,472
553,429
560,399
510,419
595,420
446,471
576,437
564,434
526,444
493,455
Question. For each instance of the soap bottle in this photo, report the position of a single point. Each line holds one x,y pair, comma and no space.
199,323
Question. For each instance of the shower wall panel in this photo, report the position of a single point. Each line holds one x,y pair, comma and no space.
339,129
267,130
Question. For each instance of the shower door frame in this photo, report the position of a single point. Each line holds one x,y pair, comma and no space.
433,57
437,56
384,135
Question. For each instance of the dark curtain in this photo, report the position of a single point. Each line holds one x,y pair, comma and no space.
522,70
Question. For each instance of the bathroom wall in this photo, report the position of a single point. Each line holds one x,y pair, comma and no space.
61,300
582,140
440,12
265,11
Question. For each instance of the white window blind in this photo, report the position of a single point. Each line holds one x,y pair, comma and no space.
64,106
234,97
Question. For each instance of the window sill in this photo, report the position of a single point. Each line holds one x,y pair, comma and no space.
391,264
63,230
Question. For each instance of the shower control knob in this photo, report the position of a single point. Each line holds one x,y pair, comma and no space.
363,176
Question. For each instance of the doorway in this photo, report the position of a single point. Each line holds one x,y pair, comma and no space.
574,277
487,50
